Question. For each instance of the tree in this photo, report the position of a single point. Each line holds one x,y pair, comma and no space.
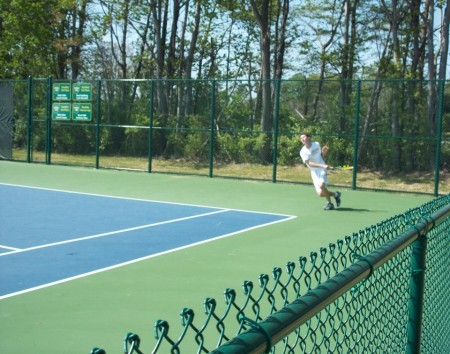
444,7
28,39
159,11
348,60
323,21
261,14
45,39
77,17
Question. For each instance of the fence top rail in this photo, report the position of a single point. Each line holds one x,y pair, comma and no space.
445,81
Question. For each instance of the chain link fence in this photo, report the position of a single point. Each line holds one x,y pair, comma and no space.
382,290
386,129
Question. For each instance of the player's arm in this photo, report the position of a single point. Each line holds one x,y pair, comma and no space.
324,151
316,165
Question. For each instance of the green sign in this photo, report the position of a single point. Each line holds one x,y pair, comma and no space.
82,92
82,111
61,92
61,111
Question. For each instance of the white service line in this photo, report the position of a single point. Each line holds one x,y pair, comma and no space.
139,259
10,248
16,250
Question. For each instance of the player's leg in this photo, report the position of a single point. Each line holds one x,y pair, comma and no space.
337,197
320,181
325,192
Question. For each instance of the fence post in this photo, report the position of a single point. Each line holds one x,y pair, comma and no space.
275,130
416,290
211,128
438,137
97,128
48,145
356,133
29,117
150,127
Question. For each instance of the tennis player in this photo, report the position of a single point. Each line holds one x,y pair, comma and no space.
313,156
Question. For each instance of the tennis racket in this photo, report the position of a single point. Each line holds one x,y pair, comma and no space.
343,167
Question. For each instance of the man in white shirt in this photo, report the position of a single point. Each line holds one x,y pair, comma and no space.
312,155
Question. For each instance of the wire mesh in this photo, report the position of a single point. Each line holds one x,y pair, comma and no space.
371,317
147,125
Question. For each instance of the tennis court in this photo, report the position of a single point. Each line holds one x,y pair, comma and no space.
99,222
68,235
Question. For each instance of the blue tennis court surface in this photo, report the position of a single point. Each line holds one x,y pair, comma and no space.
49,236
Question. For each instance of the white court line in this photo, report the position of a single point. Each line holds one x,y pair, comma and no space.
10,248
140,259
141,200
110,233
287,218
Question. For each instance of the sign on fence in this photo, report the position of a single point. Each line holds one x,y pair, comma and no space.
81,111
82,92
61,92
72,110
61,111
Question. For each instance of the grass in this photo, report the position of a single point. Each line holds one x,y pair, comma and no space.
415,182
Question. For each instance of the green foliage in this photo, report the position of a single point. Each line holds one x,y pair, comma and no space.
75,139
125,123
239,147
288,150
175,145
33,39
136,142
196,147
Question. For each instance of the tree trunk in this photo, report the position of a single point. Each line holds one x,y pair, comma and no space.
323,55
444,42
79,37
159,10
262,19
190,58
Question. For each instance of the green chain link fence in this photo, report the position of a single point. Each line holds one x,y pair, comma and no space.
386,129
385,289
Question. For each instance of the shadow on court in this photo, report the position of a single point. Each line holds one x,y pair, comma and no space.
353,209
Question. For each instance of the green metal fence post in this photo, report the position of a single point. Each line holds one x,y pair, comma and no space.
416,288
150,128
211,129
275,130
97,127
438,137
356,134
48,145
29,117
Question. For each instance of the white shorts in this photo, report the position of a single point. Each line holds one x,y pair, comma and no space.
319,177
